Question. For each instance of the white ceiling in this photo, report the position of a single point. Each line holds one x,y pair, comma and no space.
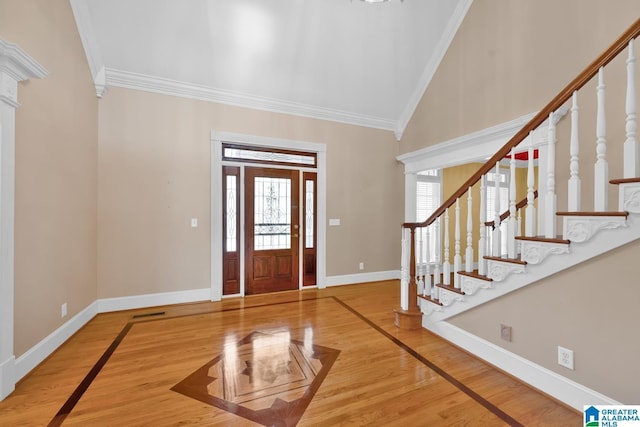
343,60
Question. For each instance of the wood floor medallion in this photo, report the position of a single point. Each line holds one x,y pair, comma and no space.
266,377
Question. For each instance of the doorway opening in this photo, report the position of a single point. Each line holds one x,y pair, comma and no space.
269,219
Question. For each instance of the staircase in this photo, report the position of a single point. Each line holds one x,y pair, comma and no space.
539,235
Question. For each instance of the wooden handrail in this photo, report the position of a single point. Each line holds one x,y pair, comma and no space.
521,204
563,96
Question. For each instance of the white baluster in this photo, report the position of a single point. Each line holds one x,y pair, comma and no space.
631,166
457,258
419,243
446,266
574,148
496,250
427,274
482,243
601,175
519,231
404,263
550,202
511,225
436,269
530,211
468,267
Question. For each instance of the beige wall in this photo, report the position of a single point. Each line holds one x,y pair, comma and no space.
508,59
56,171
154,175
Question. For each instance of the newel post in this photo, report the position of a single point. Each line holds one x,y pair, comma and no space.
410,318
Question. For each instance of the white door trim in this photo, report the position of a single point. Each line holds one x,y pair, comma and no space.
217,138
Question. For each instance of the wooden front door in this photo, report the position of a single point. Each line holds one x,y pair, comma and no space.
272,230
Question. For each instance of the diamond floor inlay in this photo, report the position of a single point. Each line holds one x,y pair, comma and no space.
265,377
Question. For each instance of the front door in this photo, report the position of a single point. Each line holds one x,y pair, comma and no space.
272,230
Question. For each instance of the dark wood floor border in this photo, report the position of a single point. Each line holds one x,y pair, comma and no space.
88,379
459,385
75,397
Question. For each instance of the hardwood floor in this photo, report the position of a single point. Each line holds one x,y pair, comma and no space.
311,358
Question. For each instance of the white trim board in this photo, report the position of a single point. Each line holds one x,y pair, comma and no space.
36,354
352,279
106,305
475,146
555,385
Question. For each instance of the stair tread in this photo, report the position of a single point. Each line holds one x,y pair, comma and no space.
428,298
451,288
624,181
625,214
512,261
475,275
557,239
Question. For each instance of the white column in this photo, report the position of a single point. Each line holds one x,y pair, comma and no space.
15,66
601,175
530,211
574,165
410,189
631,168
550,198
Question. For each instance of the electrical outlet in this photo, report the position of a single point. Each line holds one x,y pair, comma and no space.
361,265
63,310
565,357
505,332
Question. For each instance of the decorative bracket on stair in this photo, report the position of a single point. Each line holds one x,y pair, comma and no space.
582,226
500,268
628,194
535,250
470,285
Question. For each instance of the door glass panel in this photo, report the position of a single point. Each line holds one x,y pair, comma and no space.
231,213
308,214
272,213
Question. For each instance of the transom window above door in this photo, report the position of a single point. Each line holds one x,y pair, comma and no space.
242,153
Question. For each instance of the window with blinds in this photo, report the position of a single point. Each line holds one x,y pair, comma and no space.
428,199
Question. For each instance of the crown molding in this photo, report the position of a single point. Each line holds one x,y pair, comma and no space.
166,86
90,45
432,66
18,64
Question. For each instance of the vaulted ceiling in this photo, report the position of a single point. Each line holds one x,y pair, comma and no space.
344,60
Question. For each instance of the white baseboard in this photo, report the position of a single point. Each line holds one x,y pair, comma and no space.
545,380
12,371
7,377
36,354
350,279
106,305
